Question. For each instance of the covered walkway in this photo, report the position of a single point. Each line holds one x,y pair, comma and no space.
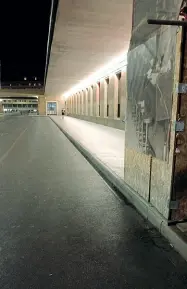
62,226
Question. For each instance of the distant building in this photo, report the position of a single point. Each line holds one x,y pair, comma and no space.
19,104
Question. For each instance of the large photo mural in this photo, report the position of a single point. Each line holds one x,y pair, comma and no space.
150,75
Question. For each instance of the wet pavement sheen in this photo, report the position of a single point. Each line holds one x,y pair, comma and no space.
62,226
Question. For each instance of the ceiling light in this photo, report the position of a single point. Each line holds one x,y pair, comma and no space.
118,63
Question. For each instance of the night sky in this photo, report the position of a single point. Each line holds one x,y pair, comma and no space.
24,33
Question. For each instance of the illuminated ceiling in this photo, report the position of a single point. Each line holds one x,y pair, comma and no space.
88,35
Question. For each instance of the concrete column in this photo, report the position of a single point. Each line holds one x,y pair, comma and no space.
113,96
72,104
66,105
86,101
96,100
103,98
79,104
76,103
42,105
82,103
90,101
69,105
70,99
99,99
1,107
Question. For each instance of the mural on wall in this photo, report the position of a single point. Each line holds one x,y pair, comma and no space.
150,75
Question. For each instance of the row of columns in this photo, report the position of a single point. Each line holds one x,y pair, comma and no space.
101,99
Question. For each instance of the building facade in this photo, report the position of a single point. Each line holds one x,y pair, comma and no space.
20,104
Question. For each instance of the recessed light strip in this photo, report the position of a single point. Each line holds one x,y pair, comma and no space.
113,66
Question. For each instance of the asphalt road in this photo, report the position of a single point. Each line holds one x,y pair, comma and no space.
62,226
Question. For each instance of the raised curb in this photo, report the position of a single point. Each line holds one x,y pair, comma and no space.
146,209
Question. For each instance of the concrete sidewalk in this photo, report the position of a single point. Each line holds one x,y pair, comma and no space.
105,143
103,147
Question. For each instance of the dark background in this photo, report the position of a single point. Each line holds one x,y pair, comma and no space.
23,39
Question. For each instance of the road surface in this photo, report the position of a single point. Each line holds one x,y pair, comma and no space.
62,226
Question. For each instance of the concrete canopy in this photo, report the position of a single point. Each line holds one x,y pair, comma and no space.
87,35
